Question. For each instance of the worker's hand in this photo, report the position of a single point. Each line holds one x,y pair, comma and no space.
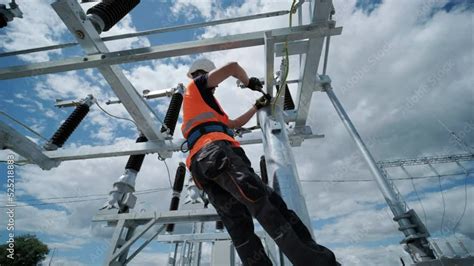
255,84
263,101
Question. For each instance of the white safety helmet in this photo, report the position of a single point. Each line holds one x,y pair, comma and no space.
201,64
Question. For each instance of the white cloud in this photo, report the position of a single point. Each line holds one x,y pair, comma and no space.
40,26
383,255
64,261
125,26
359,226
150,258
188,7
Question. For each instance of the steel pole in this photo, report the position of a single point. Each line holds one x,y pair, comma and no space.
384,185
280,162
416,243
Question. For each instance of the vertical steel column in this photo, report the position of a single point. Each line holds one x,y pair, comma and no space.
269,62
197,250
280,162
417,245
389,195
183,254
172,258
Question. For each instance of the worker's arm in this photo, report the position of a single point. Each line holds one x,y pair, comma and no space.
261,102
231,69
243,119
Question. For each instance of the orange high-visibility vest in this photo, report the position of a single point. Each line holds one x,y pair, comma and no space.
195,112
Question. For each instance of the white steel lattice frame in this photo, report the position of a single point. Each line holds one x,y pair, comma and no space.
98,56
303,39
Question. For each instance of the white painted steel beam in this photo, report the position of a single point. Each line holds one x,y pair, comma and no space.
417,244
152,32
269,62
13,140
168,50
202,237
114,150
75,19
179,216
310,62
294,48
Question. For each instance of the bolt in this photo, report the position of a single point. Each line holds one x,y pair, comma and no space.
80,34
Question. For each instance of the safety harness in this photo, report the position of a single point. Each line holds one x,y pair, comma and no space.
205,128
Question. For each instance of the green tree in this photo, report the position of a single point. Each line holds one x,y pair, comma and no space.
28,251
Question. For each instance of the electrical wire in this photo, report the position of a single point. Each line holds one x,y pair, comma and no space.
465,198
81,200
444,203
419,199
52,203
442,195
91,195
167,169
23,125
460,142
130,120
416,193
169,176
287,60
372,180
114,116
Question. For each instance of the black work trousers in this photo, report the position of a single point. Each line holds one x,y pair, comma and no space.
238,194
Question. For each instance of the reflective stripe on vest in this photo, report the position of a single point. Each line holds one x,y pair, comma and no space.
207,115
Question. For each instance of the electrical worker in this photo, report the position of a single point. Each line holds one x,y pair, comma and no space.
220,167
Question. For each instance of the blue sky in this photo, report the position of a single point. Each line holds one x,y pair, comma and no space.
401,69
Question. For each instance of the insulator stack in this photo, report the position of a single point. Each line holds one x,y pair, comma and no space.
288,103
219,225
177,188
135,161
263,170
172,114
67,128
112,11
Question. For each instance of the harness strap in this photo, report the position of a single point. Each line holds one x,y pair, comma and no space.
205,128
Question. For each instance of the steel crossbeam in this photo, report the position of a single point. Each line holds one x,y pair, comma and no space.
166,217
152,32
426,160
12,139
199,237
87,152
103,58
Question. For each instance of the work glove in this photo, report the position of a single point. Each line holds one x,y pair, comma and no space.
255,84
263,101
